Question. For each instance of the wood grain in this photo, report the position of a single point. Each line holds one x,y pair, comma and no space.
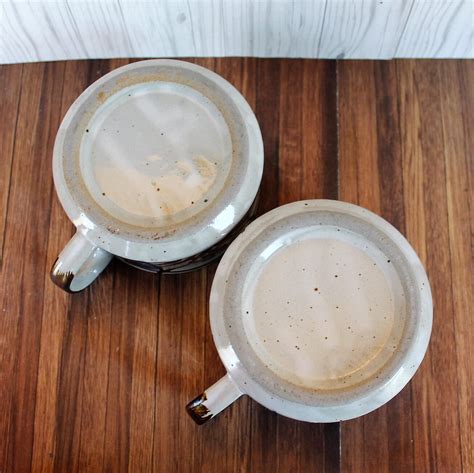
371,175
457,100
409,141
55,309
430,390
368,29
10,82
438,29
362,29
98,381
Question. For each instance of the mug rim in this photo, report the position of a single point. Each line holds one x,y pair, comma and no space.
164,249
359,404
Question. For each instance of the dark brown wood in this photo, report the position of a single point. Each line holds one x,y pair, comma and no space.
10,83
437,380
98,381
398,141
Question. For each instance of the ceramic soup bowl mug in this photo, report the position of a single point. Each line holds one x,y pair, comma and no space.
320,310
158,163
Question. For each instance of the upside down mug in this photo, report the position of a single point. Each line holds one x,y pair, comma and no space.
158,163
320,311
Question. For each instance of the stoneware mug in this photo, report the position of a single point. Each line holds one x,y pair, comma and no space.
320,311
158,163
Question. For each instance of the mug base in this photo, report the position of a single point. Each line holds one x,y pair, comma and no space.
201,259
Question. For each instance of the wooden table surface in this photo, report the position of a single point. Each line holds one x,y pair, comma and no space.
98,381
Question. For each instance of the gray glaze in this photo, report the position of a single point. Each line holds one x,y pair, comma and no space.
228,307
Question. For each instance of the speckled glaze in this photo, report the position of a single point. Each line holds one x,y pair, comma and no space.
351,245
160,221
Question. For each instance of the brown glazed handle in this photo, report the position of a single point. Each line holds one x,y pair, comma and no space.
213,400
79,264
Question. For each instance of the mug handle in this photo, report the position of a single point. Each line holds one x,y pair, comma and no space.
79,264
213,400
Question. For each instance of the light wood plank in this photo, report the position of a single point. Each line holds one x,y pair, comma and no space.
41,31
367,29
438,29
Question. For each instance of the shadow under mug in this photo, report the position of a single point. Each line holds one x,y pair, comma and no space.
235,286
161,91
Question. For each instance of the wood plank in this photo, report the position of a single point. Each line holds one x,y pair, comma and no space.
95,375
319,443
68,403
182,325
10,87
96,359
324,29
82,398
291,123
416,233
89,453
232,435
127,432
319,131
143,396
457,100
438,29
364,30
71,385
267,110
382,438
56,307
358,145
371,175
10,83
435,427
25,262
398,414
307,98
466,72
319,29
99,380
289,446
263,423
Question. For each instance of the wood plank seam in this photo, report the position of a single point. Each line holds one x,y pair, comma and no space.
405,233
158,288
